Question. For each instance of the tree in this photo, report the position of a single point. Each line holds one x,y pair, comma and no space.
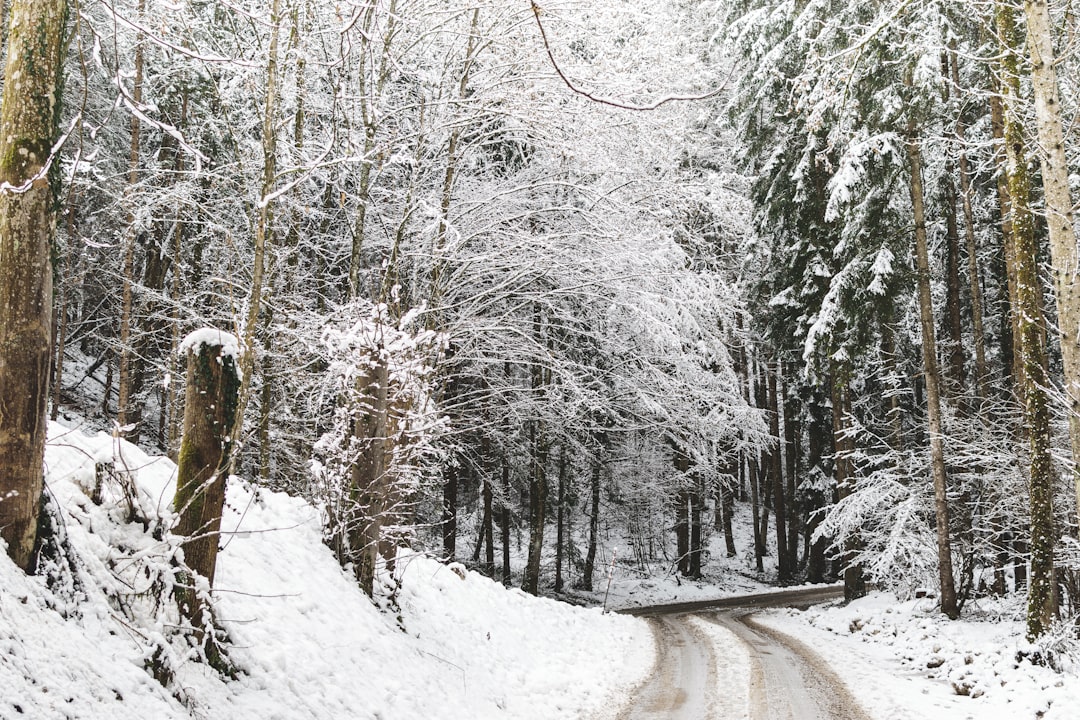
1059,211
29,127
210,413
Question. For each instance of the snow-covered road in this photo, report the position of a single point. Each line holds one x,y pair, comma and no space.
720,664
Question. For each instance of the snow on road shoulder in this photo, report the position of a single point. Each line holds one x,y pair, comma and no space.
904,660
309,643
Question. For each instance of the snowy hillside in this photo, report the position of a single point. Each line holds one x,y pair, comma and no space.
308,643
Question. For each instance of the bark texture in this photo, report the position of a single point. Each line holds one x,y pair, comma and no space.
28,130
209,416
933,380
1059,215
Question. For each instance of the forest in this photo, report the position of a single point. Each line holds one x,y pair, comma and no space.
496,280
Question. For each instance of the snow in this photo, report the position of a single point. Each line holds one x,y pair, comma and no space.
308,642
447,644
229,344
905,660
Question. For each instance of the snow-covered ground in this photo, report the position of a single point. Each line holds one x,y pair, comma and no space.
308,643
74,641
906,661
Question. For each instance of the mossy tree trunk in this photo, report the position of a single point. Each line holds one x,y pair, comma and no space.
1059,210
1032,388
213,384
28,129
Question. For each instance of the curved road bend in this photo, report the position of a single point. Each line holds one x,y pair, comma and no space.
788,681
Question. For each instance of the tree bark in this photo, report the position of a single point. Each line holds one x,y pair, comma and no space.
594,527
209,415
932,376
1059,211
974,286
560,525
776,468
1041,603
125,414
29,118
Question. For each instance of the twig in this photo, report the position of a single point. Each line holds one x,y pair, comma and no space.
608,101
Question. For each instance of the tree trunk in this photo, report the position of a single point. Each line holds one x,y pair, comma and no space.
594,527
932,376
209,414
1041,604
560,526
1059,211
263,219
28,129
696,503
504,520
537,506
975,287
682,512
791,444
776,468
368,484
125,413
843,445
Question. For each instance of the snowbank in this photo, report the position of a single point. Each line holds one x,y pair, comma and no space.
309,643
905,660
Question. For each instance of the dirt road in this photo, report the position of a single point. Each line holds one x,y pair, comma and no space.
787,680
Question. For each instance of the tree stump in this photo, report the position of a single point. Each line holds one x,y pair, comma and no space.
213,384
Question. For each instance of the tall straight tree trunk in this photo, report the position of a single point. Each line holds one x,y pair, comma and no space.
125,413
29,118
1041,602
776,469
971,245
843,445
504,520
263,220
488,529
997,126
696,505
594,528
1059,211
682,511
755,509
537,507
932,376
791,456
952,288
560,525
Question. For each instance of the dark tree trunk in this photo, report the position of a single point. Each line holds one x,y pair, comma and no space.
537,506
560,539
449,510
594,527
791,443
776,468
682,513
696,502
854,583
504,521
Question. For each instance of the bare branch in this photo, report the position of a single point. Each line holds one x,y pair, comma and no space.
608,101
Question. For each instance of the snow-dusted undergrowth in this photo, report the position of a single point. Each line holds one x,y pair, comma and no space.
308,642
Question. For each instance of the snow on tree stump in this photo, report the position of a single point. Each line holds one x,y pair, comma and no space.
213,385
